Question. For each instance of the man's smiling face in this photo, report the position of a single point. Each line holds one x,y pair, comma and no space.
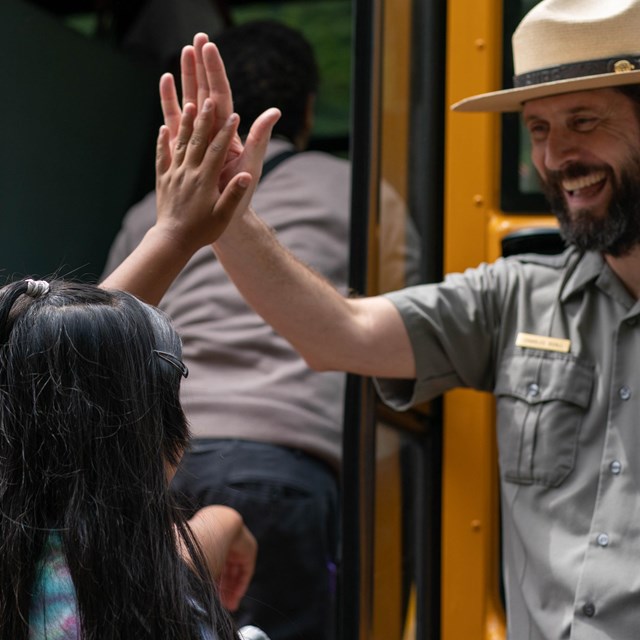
586,150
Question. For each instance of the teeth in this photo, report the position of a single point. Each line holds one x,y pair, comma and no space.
574,184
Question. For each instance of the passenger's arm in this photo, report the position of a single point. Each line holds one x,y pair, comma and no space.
229,549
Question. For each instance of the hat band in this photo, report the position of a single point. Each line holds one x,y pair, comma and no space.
620,64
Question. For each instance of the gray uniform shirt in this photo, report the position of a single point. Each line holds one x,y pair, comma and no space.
568,436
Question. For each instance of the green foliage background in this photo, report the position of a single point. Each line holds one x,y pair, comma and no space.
327,26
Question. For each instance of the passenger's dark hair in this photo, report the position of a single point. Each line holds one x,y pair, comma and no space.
88,416
269,65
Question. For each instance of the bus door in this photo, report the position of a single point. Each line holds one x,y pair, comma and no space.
421,538
390,574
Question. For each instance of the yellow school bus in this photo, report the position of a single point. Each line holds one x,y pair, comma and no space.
420,527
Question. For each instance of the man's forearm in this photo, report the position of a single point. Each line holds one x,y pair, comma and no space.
330,331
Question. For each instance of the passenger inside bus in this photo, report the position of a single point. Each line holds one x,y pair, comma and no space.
267,429
553,337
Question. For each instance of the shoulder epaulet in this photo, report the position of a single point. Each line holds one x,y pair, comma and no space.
555,261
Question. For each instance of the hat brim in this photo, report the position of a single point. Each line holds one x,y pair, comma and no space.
513,99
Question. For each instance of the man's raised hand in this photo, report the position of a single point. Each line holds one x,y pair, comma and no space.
204,78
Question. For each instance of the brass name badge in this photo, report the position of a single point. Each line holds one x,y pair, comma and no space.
545,343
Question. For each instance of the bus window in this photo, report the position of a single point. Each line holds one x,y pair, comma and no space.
520,189
391,567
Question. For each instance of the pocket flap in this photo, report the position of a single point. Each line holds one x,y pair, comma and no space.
540,376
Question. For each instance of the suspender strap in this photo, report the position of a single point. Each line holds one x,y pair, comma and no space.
273,162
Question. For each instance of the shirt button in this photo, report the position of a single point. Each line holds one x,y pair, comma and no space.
615,467
533,390
603,540
624,393
589,610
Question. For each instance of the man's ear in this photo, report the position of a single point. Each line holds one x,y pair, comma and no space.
302,139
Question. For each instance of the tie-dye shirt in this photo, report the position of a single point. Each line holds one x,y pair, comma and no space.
53,614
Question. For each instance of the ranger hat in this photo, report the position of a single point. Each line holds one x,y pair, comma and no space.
568,45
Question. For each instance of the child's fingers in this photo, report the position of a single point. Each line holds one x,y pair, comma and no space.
171,111
184,133
202,130
215,154
163,152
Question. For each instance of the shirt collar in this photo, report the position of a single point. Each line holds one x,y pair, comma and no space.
583,269
592,267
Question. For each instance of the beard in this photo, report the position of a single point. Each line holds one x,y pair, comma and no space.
615,233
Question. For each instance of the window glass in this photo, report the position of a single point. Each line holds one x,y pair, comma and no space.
520,187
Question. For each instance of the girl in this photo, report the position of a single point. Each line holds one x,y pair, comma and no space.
91,428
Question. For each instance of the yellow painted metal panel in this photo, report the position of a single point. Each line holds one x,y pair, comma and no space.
471,607
499,225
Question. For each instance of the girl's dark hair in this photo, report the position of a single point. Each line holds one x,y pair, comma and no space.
89,414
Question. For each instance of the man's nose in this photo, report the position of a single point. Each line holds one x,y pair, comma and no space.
561,149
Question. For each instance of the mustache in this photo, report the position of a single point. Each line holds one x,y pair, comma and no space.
575,170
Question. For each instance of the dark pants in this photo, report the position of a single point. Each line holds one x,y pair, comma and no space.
289,501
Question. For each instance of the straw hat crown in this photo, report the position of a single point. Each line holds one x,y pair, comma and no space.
569,45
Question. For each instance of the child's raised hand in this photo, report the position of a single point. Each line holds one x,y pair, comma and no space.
190,204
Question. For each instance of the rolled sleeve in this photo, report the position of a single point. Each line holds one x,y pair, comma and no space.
451,327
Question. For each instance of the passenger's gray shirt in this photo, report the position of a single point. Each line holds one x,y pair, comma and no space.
245,380
568,428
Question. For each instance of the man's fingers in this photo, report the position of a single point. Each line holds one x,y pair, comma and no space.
199,41
258,139
231,198
171,111
184,133
188,75
217,82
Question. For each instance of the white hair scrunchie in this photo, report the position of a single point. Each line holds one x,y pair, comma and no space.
37,288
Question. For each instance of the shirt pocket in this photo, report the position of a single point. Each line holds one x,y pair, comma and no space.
542,398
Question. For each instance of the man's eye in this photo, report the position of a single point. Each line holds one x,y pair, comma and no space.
537,131
584,124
